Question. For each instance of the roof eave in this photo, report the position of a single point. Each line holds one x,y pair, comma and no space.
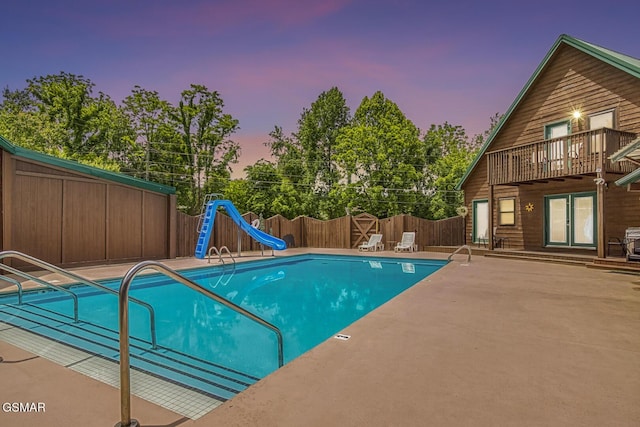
629,178
85,169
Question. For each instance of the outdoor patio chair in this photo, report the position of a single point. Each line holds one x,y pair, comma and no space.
374,243
633,253
408,242
499,242
619,243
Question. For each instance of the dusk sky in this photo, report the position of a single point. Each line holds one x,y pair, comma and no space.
454,61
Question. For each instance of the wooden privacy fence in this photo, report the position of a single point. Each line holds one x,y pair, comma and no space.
340,233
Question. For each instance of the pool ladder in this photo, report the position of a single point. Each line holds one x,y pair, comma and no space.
219,252
220,259
69,275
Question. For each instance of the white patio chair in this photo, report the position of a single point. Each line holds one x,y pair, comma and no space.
374,243
408,242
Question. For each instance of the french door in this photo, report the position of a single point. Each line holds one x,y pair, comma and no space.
570,220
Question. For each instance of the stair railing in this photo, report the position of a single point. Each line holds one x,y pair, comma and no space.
79,279
123,320
16,283
467,247
46,284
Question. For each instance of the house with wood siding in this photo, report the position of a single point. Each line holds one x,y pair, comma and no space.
545,180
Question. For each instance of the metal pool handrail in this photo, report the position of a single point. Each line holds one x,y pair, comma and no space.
52,268
47,284
219,253
14,282
467,247
123,320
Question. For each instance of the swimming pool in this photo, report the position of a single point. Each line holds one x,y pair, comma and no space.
309,297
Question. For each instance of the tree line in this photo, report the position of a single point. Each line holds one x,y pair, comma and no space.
375,160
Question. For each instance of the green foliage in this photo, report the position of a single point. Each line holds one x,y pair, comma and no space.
239,191
58,115
318,130
375,161
449,153
204,131
382,158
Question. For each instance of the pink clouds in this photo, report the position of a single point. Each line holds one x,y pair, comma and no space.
252,150
123,20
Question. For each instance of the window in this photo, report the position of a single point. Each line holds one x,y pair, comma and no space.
507,211
554,150
601,120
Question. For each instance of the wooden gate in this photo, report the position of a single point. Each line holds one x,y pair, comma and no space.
362,227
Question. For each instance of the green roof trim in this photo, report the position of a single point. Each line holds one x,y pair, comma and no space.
85,169
630,150
623,62
629,178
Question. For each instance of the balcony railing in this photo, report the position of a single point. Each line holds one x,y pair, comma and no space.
576,154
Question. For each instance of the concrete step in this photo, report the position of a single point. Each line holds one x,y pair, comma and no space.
556,259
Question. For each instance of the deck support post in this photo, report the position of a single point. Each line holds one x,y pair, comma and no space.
490,223
600,195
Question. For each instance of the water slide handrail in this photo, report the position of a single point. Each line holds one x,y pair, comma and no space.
123,322
207,199
52,268
467,247
14,282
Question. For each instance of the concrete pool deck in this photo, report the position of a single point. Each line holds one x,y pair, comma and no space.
494,342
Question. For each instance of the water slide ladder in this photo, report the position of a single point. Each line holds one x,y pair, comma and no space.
205,223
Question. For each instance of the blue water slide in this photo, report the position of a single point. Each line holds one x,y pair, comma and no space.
207,227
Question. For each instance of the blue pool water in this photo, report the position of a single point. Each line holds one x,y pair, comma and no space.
310,298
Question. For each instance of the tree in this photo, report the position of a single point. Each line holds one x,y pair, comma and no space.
158,157
449,153
263,181
318,129
204,130
30,129
58,114
382,157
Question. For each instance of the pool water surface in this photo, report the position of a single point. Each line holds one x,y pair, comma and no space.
308,297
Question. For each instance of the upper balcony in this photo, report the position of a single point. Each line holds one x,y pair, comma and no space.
580,153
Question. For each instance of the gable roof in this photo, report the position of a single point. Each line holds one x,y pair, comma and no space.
85,169
623,62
